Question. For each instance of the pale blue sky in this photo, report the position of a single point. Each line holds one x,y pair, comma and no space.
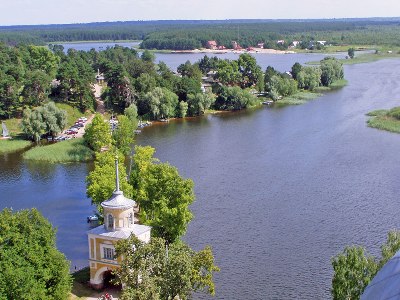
14,12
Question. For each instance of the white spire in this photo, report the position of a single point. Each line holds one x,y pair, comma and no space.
117,174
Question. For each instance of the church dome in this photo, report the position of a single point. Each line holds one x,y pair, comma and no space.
118,201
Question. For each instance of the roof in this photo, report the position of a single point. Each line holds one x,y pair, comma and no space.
123,233
386,283
118,201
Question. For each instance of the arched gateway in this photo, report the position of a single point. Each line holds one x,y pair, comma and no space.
119,224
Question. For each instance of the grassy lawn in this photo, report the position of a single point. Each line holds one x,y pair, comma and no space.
73,113
381,119
13,126
11,145
66,151
297,99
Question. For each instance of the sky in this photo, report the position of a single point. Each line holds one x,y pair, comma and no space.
32,12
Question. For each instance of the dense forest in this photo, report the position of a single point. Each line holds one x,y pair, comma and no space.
183,35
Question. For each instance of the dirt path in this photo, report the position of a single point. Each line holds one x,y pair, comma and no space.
99,109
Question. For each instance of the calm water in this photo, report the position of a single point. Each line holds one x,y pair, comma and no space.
279,191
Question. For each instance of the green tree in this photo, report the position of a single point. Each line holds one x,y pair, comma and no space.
163,195
353,271
36,88
31,267
228,72
199,103
132,114
123,135
151,271
350,52
100,183
309,78
296,68
148,56
250,71
389,249
331,70
98,133
162,102
234,98
183,108
46,119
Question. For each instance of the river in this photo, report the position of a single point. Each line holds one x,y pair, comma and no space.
279,190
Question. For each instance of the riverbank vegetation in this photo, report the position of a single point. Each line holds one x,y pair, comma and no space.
388,120
74,150
354,268
11,145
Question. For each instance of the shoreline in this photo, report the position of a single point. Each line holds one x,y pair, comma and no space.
215,51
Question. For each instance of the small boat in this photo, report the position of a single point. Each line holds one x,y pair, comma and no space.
268,102
92,218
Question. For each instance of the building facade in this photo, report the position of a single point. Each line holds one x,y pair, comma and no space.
119,223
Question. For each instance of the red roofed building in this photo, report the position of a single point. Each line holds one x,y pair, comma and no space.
211,45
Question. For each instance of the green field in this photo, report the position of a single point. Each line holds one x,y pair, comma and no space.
11,145
381,119
73,150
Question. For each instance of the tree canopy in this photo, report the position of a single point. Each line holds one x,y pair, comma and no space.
30,265
156,271
163,195
98,133
354,268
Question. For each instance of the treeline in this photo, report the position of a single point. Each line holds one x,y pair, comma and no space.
183,35
31,75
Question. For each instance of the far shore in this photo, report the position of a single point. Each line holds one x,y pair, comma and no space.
254,50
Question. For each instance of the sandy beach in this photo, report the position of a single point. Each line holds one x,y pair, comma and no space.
254,50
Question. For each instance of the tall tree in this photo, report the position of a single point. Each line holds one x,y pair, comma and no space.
151,271
123,135
98,133
163,195
100,183
31,267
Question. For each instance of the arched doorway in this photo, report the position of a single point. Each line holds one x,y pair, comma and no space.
109,281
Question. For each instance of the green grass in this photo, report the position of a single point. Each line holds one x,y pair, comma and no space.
73,113
11,145
73,150
385,123
297,99
381,119
13,126
377,113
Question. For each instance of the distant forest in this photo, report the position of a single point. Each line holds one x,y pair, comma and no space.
186,35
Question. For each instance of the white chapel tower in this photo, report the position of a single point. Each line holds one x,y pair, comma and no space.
119,223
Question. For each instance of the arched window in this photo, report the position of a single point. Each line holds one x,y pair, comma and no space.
130,218
110,221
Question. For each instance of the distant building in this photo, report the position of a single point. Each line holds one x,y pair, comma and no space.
212,45
295,43
321,43
99,78
235,45
119,223
260,45
280,42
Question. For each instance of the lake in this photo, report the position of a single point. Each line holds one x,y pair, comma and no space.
279,191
